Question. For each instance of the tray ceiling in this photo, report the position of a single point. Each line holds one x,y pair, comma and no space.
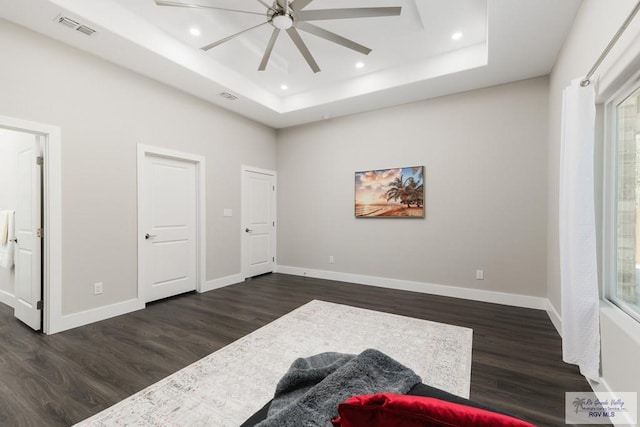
414,56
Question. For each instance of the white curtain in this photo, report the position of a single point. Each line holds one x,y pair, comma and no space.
578,263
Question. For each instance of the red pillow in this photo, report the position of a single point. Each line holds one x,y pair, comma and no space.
391,410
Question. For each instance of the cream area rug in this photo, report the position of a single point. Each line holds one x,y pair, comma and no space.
228,386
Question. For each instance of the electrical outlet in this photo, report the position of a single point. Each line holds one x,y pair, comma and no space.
480,274
98,288
331,260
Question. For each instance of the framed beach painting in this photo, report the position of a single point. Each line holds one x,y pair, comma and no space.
390,193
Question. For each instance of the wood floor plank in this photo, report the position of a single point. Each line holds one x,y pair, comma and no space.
61,379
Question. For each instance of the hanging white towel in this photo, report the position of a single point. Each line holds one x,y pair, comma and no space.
4,227
7,249
578,261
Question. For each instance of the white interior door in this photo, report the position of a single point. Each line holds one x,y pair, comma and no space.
169,244
258,221
28,253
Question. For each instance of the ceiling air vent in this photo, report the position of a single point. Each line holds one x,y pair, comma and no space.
74,25
228,96
67,22
85,30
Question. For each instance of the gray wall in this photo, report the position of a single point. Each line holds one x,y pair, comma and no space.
104,111
485,159
595,24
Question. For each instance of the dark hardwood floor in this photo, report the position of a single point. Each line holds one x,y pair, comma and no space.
61,379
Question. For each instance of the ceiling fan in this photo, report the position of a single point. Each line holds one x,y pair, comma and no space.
288,15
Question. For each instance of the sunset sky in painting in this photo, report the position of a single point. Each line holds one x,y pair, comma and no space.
371,186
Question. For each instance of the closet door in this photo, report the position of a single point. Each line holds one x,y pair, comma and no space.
168,204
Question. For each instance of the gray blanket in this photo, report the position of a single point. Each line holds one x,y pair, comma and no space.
309,393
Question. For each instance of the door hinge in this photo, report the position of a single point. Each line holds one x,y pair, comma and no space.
39,232
274,223
274,188
273,259
39,160
39,305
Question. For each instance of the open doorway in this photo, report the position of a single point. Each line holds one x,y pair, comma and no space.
21,225
38,247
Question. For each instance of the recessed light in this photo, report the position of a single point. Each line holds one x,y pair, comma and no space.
284,87
456,35
194,31
359,64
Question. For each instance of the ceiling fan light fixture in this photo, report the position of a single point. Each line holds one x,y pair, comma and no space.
282,21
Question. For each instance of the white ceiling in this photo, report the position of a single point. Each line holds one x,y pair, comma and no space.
413,57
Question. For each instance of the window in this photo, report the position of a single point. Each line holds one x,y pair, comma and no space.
624,122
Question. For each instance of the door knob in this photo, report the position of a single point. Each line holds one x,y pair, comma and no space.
149,236
248,230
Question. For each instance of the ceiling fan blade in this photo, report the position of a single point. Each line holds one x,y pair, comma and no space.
226,39
202,6
332,37
300,4
304,50
360,12
266,5
269,49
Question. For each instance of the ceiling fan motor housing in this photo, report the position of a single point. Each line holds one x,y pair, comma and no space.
282,20
280,15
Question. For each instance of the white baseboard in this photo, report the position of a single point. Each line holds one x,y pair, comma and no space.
95,315
621,418
86,317
555,317
503,298
7,299
211,285
82,318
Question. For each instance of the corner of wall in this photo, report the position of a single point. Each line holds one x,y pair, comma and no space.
554,316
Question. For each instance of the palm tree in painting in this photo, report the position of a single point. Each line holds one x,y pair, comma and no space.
408,191
412,194
396,190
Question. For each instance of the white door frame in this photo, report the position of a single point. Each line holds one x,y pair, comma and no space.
201,247
52,217
243,248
